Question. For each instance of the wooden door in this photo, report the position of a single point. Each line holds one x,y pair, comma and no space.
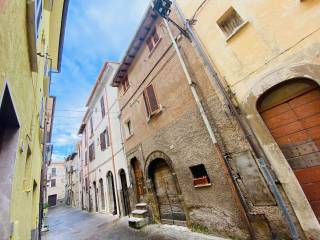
52,200
125,193
295,125
138,179
165,186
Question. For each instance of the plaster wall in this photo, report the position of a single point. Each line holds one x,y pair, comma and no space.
280,41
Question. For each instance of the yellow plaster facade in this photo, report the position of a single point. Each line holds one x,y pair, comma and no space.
278,40
28,91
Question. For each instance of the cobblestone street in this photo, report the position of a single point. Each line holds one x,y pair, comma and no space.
67,223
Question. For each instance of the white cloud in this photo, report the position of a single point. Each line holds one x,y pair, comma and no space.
96,31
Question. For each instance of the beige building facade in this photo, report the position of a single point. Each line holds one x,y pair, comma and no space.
72,169
266,57
56,184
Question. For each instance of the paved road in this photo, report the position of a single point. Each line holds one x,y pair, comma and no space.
67,223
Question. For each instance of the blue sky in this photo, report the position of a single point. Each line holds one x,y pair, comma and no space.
96,31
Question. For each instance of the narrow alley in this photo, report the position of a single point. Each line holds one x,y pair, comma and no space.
68,223
159,120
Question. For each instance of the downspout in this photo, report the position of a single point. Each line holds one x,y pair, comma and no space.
221,158
249,134
112,152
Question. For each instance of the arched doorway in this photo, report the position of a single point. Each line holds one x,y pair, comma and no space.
111,194
125,193
103,203
9,137
95,196
291,111
138,179
167,192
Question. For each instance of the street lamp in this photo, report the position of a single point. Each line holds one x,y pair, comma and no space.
163,8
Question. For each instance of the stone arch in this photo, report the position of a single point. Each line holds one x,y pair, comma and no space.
9,138
248,103
164,187
102,197
112,202
124,192
159,155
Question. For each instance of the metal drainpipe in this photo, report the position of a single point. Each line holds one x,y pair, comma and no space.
249,134
211,133
112,152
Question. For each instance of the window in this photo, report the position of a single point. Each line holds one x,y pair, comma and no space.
200,175
103,141
103,110
128,129
91,125
125,84
53,182
150,100
53,172
230,22
107,137
87,184
153,40
86,158
91,152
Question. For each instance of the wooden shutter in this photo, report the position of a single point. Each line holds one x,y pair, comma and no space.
106,132
155,37
146,102
153,103
102,141
150,44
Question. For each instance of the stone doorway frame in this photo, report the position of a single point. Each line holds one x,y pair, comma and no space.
277,160
151,193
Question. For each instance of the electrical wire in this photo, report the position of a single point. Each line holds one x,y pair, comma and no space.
197,11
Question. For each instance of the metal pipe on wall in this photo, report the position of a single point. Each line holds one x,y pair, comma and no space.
211,133
249,134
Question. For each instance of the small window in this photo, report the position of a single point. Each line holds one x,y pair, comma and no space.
91,152
230,22
103,111
86,158
128,129
200,175
103,141
150,100
53,171
153,40
107,137
125,84
53,182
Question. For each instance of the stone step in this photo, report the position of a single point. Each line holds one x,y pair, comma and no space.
141,206
139,213
137,223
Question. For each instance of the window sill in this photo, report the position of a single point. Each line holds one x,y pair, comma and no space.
155,113
127,138
203,185
236,30
154,48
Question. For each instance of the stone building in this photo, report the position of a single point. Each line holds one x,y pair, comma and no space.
266,55
104,176
56,184
31,40
174,166
192,155
72,173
